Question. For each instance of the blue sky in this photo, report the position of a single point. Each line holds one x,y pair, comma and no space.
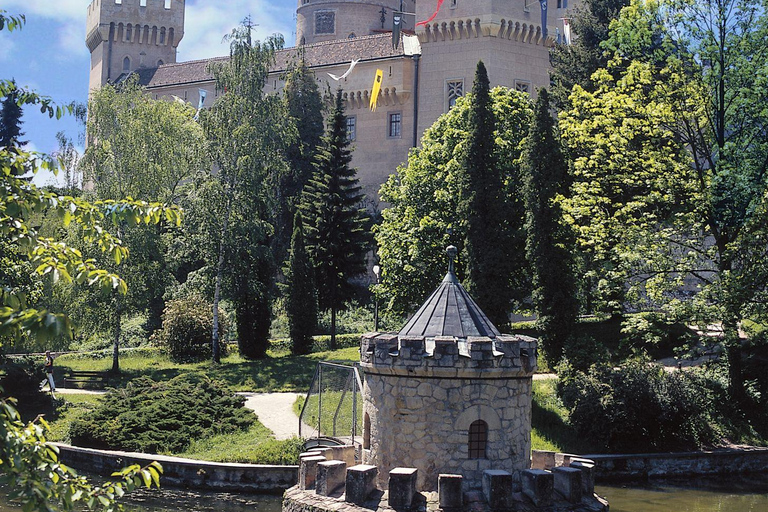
50,56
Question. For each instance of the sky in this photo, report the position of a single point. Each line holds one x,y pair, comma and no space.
49,54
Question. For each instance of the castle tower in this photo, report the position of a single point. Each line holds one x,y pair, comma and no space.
328,20
448,393
125,35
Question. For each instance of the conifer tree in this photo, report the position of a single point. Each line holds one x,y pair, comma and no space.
10,120
337,229
490,252
300,292
549,247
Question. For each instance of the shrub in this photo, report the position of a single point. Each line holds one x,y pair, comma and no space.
162,417
187,328
638,407
20,377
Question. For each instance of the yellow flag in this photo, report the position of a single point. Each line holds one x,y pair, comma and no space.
375,89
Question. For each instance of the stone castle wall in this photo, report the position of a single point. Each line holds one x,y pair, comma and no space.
359,17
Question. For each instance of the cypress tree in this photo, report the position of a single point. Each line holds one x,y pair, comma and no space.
10,120
301,294
549,246
336,228
489,240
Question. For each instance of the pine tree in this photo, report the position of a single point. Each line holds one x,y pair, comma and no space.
337,229
10,120
300,292
549,247
490,252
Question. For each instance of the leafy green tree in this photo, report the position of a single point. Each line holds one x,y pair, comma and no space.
495,243
575,63
549,247
300,292
10,119
681,105
337,230
246,132
423,218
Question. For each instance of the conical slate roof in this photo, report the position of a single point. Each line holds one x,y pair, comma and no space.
449,311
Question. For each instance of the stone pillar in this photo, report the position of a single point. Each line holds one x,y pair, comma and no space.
541,459
587,468
331,476
449,490
308,471
402,487
538,485
498,489
361,482
568,483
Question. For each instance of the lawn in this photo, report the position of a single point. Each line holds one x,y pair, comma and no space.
550,428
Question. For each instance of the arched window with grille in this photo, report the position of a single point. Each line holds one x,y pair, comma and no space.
127,64
478,440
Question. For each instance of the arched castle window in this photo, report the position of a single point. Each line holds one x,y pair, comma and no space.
366,432
478,439
126,64
170,36
162,35
160,63
351,36
129,33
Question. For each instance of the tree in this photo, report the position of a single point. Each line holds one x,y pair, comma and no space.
31,468
422,219
685,97
246,132
549,248
300,292
10,119
141,148
337,229
575,63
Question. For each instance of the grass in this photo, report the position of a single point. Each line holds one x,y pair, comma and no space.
331,400
69,408
257,445
550,429
276,373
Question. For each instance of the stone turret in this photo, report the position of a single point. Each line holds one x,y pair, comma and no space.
126,35
448,394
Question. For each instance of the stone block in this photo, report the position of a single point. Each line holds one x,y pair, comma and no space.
361,482
450,492
344,453
414,345
498,489
541,459
568,483
308,471
587,468
538,485
331,476
402,487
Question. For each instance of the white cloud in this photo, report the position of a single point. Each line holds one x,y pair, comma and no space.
72,41
6,48
61,10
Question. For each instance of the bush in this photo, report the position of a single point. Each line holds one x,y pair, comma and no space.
638,407
20,377
187,328
162,417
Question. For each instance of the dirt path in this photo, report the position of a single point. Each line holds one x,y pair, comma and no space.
275,411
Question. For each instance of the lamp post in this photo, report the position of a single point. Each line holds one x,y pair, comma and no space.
376,271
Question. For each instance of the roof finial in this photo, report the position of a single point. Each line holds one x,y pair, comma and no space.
452,251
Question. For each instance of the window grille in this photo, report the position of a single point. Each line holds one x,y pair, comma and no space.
478,439
454,90
325,22
395,124
351,128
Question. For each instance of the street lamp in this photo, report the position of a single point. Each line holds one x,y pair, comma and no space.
376,272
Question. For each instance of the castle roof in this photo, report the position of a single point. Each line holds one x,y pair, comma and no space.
449,311
327,53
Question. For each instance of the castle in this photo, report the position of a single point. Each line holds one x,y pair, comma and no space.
420,82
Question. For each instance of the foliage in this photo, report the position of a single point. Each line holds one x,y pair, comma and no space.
549,242
655,334
337,229
422,219
187,323
301,292
494,237
10,120
638,407
162,417
20,377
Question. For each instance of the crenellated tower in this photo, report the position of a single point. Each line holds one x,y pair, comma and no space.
125,35
328,20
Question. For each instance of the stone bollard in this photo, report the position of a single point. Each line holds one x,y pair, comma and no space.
541,459
308,471
498,489
587,468
450,492
538,485
568,483
331,476
402,487
361,482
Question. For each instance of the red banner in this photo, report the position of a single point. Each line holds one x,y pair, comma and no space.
439,4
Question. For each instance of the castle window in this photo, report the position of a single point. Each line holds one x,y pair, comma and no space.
454,3
129,33
478,439
366,430
351,36
303,41
126,64
143,3
523,86
454,89
119,2
162,35
325,22
395,125
167,4
160,63
351,128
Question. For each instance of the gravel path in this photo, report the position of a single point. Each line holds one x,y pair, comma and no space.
275,411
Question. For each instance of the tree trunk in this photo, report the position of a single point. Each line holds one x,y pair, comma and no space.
116,330
333,329
215,347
